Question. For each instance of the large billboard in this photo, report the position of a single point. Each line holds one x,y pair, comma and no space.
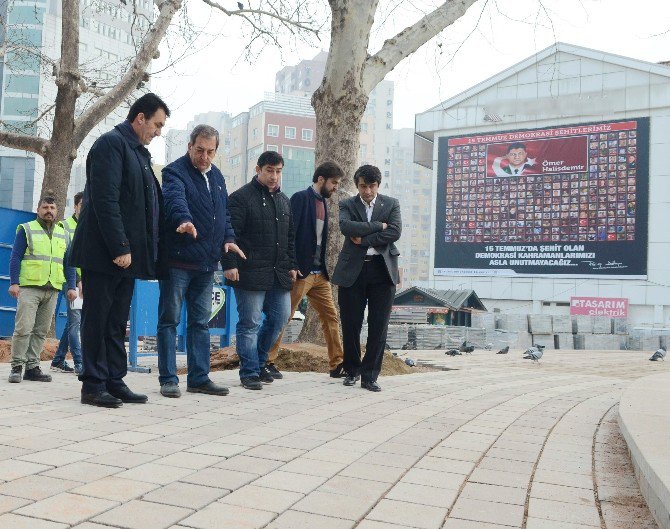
560,201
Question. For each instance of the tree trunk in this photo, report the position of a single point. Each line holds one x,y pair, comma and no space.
338,124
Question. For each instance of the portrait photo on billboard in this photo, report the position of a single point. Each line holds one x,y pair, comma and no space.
557,201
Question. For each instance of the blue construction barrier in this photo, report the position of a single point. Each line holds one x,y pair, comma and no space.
9,220
144,318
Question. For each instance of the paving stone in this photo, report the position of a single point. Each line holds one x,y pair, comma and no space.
218,449
122,458
563,478
11,469
153,473
277,453
36,487
8,503
488,511
497,477
422,495
221,515
115,488
585,515
252,465
252,496
548,491
409,514
189,460
138,514
456,523
351,486
434,478
334,505
279,479
15,521
67,508
302,520
494,493
185,495
313,467
221,478
83,471
441,464
373,472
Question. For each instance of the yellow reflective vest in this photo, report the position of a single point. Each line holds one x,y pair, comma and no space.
43,261
69,225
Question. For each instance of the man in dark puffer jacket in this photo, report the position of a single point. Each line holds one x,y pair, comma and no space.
261,217
197,230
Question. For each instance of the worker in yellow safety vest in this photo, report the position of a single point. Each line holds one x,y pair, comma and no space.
37,275
70,338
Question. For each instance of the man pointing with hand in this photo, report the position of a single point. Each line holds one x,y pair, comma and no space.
198,230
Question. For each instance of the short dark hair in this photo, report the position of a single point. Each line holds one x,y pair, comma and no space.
270,158
47,198
148,104
517,145
328,170
369,173
78,197
206,132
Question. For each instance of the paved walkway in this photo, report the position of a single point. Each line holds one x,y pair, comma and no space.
495,443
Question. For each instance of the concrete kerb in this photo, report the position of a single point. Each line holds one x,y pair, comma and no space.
644,419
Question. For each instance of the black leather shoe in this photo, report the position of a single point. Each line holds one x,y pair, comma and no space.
36,375
350,380
371,386
210,388
338,372
126,395
102,399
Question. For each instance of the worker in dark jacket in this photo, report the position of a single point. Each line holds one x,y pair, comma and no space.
118,239
261,218
198,230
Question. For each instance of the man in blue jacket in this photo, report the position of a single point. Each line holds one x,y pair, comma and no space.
198,230
310,218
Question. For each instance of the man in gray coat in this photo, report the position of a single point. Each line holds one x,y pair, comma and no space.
367,274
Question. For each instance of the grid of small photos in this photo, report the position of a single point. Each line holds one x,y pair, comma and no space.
596,206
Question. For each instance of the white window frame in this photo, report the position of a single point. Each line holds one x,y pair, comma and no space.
272,128
286,133
274,148
307,135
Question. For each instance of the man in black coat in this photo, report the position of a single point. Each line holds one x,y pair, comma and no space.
116,241
261,217
367,274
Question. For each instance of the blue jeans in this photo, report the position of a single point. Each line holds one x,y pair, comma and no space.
255,336
70,338
196,288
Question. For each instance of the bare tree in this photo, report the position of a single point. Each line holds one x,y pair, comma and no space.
81,102
351,74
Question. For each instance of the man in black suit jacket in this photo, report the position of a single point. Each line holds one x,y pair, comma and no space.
367,274
117,240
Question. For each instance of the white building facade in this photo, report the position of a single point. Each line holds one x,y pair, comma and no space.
583,215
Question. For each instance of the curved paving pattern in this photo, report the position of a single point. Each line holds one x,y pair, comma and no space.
495,442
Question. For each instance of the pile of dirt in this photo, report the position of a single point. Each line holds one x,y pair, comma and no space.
303,357
48,352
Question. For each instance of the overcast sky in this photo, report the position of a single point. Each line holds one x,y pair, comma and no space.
214,76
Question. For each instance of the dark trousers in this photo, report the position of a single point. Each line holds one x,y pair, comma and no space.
373,288
104,317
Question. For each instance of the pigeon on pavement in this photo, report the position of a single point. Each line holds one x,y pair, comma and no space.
453,352
534,353
465,348
659,355
410,362
503,351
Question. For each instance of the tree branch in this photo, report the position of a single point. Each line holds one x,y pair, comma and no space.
411,39
108,102
23,142
302,25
